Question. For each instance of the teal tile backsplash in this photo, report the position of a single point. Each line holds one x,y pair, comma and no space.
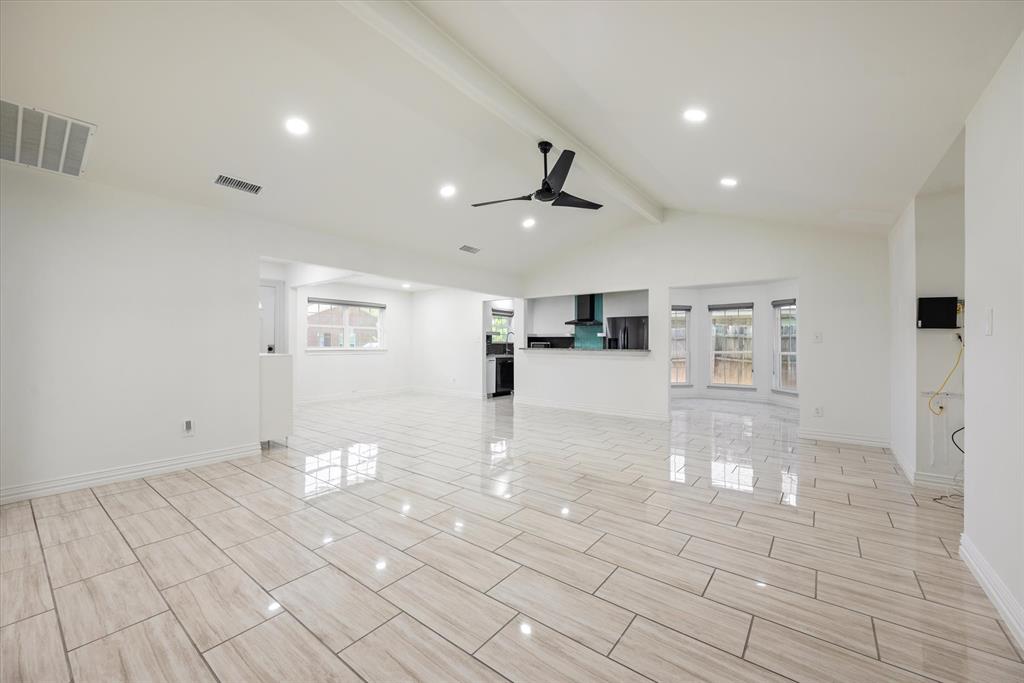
586,335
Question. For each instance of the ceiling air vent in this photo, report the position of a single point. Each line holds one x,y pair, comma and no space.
235,183
468,249
38,138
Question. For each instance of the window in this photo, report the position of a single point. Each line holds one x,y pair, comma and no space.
501,325
344,324
680,345
784,370
732,344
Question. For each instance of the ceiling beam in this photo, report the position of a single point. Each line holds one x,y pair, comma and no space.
415,33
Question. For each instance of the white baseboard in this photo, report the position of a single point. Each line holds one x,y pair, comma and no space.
995,588
935,478
589,408
852,439
12,494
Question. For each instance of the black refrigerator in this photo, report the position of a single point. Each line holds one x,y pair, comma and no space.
627,332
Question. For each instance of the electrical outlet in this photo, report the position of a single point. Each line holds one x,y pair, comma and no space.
188,427
819,412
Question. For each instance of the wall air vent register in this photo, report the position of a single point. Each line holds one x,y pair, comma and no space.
38,138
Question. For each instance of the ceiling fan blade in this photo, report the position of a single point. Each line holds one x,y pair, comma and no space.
525,197
566,199
558,174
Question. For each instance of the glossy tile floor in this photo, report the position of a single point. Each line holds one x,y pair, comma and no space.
445,539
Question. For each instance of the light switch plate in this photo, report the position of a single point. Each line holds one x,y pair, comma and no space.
989,321
819,337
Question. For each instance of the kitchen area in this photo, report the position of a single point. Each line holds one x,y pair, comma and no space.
592,351
499,349
610,321
544,340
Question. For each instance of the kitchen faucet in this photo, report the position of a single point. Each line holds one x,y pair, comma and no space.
508,342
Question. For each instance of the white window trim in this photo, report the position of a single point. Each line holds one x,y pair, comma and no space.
711,354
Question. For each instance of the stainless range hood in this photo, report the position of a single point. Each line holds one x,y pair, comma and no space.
584,311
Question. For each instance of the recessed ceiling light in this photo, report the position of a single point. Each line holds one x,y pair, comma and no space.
406,285
447,191
296,126
728,181
529,223
694,115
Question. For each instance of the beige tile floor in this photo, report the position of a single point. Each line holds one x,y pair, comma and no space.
442,539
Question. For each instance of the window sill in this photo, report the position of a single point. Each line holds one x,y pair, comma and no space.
682,385
317,352
740,387
785,392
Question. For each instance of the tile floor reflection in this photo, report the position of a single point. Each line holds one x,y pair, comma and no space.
436,539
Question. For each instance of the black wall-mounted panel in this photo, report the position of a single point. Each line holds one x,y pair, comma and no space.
937,312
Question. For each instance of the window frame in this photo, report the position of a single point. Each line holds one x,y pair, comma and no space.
688,366
719,308
500,314
345,329
778,353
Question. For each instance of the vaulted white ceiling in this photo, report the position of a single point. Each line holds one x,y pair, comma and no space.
822,110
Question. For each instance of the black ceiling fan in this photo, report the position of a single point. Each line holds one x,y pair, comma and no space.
551,187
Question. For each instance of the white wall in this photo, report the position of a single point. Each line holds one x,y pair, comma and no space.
546,316
448,335
330,374
122,313
273,270
939,271
843,287
762,295
993,542
903,347
121,317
